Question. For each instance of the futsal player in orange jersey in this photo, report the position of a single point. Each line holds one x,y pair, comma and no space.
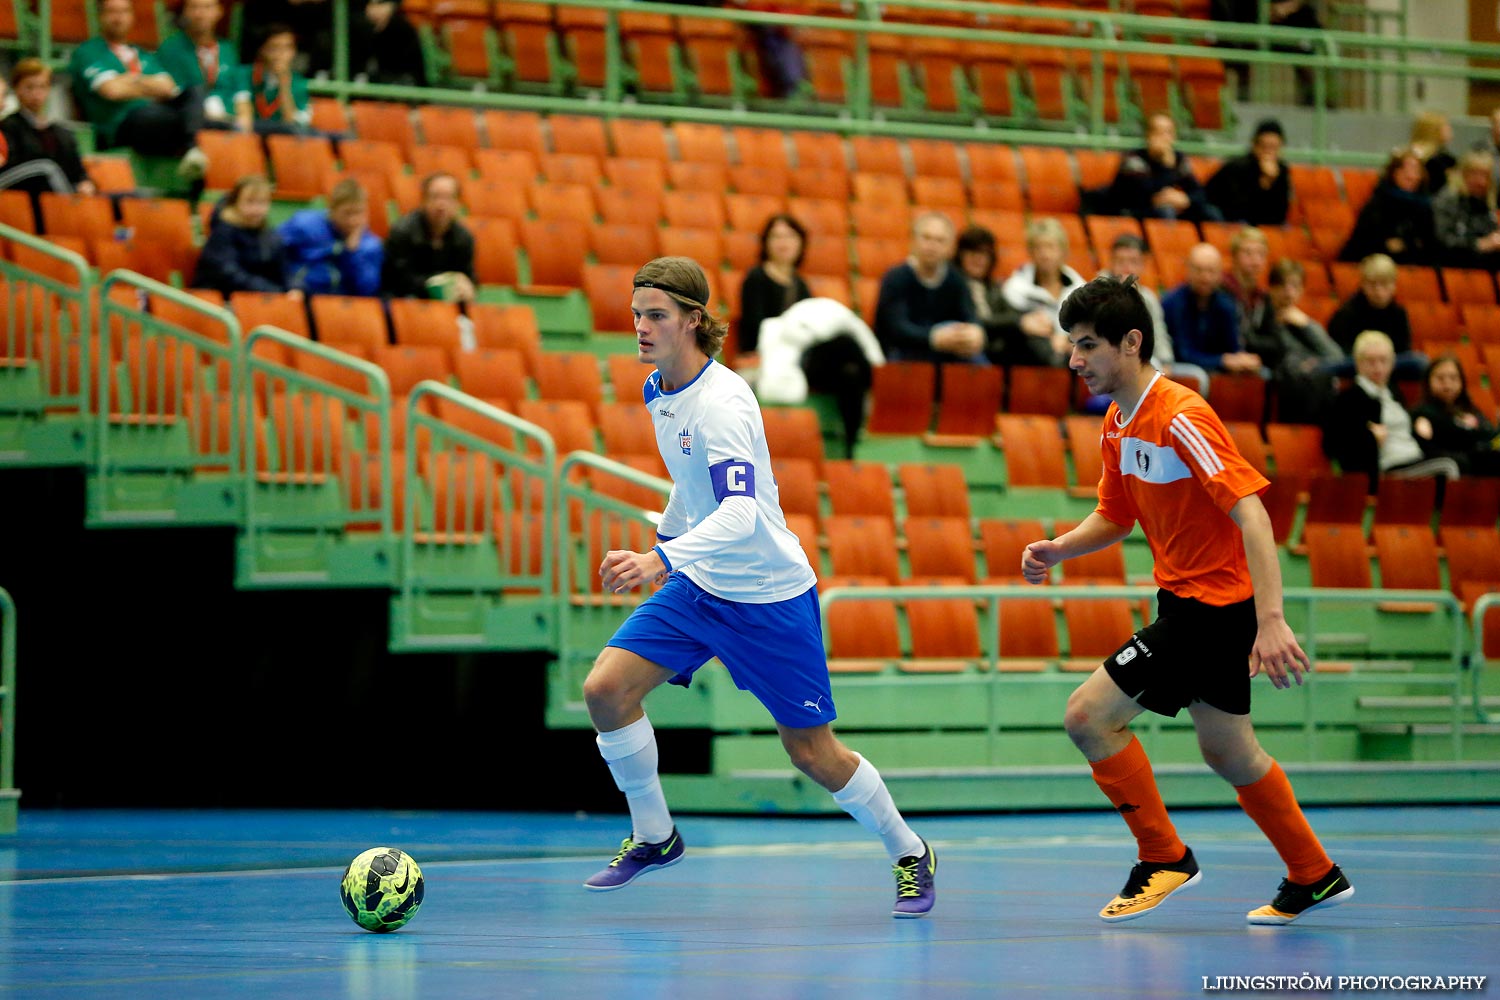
1170,465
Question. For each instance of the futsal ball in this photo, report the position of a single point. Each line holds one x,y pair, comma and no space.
382,889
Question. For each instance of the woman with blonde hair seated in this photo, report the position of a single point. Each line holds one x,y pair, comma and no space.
1463,216
1036,288
1430,135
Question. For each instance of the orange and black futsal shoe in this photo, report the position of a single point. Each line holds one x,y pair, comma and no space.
1148,886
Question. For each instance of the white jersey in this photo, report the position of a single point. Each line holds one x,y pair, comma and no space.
723,526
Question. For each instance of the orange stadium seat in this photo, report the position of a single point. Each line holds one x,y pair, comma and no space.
902,395
935,489
690,175
608,290
1033,451
552,249
494,250
578,134
863,546
510,327
515,130
1096,629
1337,557
860,488
570,375
700,143
349,319
793,432
643,139
970,400
492,374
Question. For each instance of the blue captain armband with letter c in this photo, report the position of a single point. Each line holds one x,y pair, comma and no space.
732,478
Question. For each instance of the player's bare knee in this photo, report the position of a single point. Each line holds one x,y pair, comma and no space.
1078,720
605,691
1238,762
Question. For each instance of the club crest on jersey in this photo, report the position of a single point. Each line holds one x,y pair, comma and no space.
685,441
1143,462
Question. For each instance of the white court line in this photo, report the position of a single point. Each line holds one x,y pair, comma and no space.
860,848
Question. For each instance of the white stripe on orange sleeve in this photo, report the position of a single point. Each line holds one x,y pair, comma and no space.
1197,445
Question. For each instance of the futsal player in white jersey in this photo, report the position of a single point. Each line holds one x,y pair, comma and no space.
737,587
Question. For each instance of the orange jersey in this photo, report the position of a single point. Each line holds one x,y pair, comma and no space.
1174,468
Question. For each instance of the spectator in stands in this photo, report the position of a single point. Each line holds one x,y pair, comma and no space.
1494,146
1256,187
243,253
820,340
925,312
1282,14
429,252
1156,182
384,46
38,154
1202,318
772,286
199,59
1447,423
271,97
334,251
1036,288
1463,215
1369,430
310,20
1249,257
130,100
1397,220
1374,307
1430,135
1005,342
1304,388
1127,259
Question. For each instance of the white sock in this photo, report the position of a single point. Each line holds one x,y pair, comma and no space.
867,799
631,755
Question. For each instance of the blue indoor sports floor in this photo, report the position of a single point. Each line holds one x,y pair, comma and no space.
199,905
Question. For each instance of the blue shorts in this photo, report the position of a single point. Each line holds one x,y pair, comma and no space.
774,651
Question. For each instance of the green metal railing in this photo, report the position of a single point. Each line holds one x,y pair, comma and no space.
602,505
1478,662
47,320
477,549
1096,39
1303,609
321,462
170,381
7,694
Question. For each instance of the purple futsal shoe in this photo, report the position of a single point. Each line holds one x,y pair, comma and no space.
634,859
915,891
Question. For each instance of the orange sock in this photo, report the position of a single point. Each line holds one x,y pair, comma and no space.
1127,780
1272,804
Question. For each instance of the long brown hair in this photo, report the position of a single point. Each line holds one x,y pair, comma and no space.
1462,403
683,280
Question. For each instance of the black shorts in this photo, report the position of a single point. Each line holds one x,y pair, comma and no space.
1192,652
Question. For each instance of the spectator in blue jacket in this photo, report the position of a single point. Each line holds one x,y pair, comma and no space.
334,252
242,253
1202,317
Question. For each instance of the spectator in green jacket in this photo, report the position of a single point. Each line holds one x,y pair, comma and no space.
130,100
197,57
271,96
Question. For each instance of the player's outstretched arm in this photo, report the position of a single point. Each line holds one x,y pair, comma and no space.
1276,652
623,570
1092,534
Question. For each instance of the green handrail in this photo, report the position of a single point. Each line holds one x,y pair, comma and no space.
537,487
79,291
1101,40
1311,598
618,523
1477,660
7,690
265,371
190,346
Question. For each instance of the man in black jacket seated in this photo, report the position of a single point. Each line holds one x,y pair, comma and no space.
37,154
430,254
925,311
1254,188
